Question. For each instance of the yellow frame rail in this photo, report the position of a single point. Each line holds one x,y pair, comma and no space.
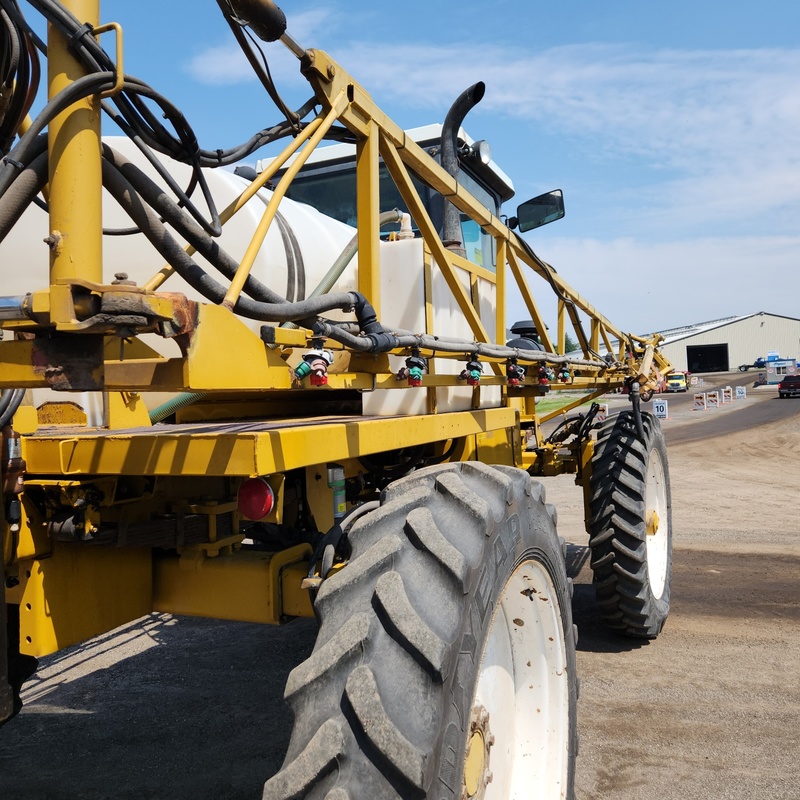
77,271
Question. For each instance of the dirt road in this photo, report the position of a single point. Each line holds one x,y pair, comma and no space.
192,709
712,708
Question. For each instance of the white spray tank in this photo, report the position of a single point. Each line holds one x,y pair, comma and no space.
296,255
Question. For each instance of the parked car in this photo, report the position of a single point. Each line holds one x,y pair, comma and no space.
676,382
789,386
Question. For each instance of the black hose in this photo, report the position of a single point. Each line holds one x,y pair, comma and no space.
169,248
261,70
431,460
129,111
636,407
166,208
30,143
125,194
552,438
22,192
5,400
295,265
94,58
9,407
412,458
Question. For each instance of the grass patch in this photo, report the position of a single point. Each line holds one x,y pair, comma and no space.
555,401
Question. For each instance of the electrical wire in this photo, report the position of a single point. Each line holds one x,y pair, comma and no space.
261,69
129,110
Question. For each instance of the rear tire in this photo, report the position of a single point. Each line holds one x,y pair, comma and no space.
446,651
630,526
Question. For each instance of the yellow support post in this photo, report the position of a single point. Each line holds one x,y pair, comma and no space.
500,297
368,210
529,301
234,207
246,264
75,169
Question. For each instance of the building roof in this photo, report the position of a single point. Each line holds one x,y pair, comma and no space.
684,332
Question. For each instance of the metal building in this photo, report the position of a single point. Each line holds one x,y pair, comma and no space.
723,344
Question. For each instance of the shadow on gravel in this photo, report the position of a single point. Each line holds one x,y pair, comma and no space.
593,636
195,711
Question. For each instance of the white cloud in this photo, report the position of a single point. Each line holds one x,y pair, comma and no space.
717,132
225,64
714,135
641,286
661,104
696,112
221,65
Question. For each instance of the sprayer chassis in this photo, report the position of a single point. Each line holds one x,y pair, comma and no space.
108,523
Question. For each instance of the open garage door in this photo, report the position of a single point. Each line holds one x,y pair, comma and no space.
707,358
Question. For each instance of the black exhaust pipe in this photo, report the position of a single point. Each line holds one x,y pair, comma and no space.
467,100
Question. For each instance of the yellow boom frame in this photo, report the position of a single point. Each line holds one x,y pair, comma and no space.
69,591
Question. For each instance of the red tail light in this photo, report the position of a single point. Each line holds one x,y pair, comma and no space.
256,498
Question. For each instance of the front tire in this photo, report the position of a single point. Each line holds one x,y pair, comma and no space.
630,526
445,662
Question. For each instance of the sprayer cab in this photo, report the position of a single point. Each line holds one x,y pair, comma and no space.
327,182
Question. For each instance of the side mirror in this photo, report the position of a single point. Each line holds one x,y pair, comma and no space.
540,210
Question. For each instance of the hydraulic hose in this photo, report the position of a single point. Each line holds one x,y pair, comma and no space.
637,409
21,193
295,266
30,143
169,248
172,213
384,341
10,401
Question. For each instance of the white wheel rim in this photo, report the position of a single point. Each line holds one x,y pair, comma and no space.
523,684
657,522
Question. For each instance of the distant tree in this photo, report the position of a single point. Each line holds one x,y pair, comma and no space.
570,344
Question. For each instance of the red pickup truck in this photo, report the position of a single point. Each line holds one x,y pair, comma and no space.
789,386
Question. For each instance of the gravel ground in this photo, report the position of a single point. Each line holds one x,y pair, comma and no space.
192,709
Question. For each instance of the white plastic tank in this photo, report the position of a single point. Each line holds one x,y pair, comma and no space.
24,257
320,238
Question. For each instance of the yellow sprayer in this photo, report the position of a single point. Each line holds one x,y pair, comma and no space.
261,393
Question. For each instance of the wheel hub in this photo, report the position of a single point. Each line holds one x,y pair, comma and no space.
477,775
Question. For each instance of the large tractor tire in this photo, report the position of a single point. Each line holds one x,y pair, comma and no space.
445,662
630,525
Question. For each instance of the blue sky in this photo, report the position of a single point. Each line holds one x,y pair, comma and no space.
673,128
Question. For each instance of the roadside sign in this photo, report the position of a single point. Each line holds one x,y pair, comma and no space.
741,392
712,399
602,413
660,409
727,395
700,402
